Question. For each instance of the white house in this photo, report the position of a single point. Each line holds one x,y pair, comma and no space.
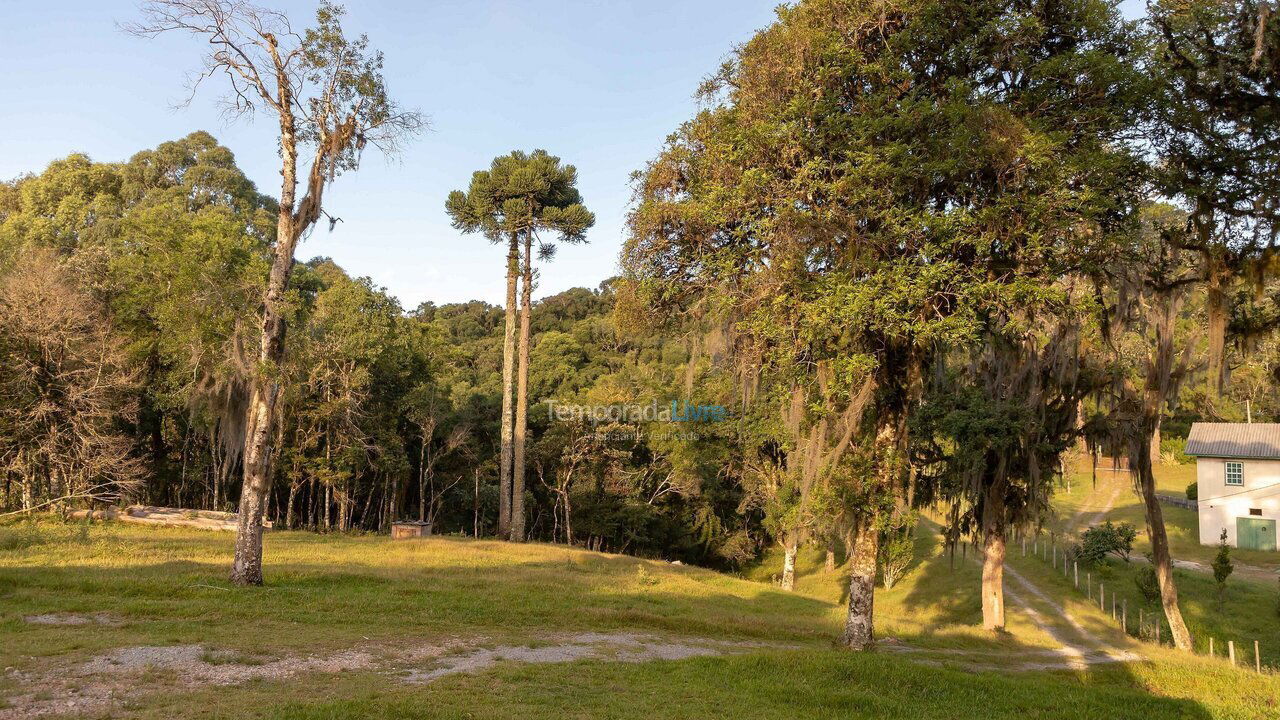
1238,482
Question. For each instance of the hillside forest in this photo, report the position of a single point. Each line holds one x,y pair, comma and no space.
858,285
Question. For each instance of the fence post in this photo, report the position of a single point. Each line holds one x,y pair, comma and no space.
1075,564
1210,647
1024,546
1088,577
1124,616
1257,656
1231,652
1102,598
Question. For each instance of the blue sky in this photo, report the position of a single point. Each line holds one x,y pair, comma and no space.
599,83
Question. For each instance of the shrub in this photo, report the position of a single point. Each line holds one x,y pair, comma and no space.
1222,567
1148,584
1172,451
895,556
1193,491
1100,540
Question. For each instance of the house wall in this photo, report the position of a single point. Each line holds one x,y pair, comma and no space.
1220,503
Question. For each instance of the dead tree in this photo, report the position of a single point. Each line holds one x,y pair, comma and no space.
328,95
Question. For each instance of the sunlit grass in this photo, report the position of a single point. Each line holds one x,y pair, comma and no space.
167,586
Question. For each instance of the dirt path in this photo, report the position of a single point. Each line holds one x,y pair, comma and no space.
105,682
1083,519
1098,515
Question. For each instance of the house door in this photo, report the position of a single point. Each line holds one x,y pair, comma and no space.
1255,534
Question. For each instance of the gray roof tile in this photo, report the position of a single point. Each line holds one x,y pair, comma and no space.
1236,440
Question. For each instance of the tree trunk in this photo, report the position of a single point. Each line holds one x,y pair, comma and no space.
507,428
522,396
568,518
993,560
859,631
288,513
1160,557
1157,390
1217,311
789,565
246,569
1155,442
831,557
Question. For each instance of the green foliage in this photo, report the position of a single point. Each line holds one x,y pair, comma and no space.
522,193
897,551
1147,582
1171,451
1222,566
1101,540
1193,491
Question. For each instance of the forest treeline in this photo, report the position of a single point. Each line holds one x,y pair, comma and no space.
129,301
912,252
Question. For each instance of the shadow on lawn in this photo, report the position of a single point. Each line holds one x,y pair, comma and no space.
306,606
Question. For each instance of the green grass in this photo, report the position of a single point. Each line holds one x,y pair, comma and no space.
1181,525
324,593
1248,612
820,685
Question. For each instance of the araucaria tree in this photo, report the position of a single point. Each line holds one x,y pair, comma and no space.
328,95
520,196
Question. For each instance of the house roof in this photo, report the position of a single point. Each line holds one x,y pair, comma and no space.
1234,440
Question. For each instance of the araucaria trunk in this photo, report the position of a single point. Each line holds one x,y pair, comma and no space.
522,397
858,626
507,426
993,529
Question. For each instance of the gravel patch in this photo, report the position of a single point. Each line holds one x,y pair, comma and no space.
101,683
73,619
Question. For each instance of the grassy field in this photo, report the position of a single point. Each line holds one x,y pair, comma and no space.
1082,493
1251,604
331,594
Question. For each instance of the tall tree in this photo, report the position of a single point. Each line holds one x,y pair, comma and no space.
328,95
520,196
1218,62
821,202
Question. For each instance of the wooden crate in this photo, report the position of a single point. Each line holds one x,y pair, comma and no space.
409,529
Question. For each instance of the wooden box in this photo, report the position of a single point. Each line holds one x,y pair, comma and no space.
409,529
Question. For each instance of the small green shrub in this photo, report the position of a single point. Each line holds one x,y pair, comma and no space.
895,556
1101,540
1222,567
1148,584
644,577
1193,491
1173,451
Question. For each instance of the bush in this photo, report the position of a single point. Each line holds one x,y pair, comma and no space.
1172,451
1100,540
1193,491
1149,585
1222,567
895,556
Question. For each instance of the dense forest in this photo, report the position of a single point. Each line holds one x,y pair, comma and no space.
128,292
907,255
